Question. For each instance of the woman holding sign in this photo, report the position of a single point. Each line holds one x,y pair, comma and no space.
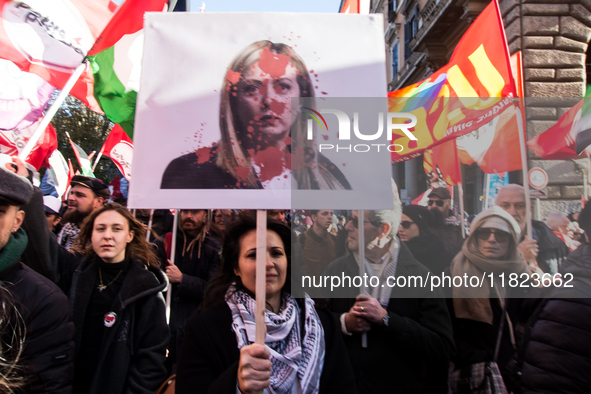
304,350
263,141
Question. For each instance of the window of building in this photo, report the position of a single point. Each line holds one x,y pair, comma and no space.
395,59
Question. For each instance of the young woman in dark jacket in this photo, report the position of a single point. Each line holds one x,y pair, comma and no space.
303,352
117,306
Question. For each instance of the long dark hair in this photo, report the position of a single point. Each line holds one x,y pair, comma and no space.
218,286
137,249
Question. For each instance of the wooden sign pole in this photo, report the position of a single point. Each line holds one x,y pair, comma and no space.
261,277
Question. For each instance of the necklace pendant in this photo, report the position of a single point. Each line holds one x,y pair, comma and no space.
101,287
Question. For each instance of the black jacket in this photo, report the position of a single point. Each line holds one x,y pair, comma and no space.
429,250
200,171
134,349
210,355
186,296
553,251
48,351
557,356
412,354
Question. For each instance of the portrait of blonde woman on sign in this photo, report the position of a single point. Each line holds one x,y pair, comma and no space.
263,140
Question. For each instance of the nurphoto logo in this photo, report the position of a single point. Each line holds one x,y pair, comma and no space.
394,121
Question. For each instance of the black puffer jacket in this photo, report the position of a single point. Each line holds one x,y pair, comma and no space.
49,349
430,251
557,357
133,351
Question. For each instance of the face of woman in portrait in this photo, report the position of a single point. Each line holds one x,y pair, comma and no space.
493,243
110,236
276,265
264,104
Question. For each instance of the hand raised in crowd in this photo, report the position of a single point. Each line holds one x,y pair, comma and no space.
254,368
368,308
19,167
174,273
529,248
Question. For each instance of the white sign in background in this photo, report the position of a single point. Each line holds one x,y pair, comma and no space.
186,57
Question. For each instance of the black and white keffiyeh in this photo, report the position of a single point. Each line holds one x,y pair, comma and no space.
295,360
68,234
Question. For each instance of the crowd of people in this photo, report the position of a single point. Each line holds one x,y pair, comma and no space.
84,286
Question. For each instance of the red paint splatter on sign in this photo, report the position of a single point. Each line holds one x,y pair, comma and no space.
272,63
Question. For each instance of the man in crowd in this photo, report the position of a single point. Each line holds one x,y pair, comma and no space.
52,207
196,261
545,251
86,195
35,310
277,214
409,340
318,245
445,225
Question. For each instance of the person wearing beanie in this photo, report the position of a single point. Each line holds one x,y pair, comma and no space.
426,247
557,344
491,248
86,194
43,308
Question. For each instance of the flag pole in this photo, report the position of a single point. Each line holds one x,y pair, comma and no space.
461,198
98,157
486,190
175,225
261,277
52,111
149,225
360,231
524,168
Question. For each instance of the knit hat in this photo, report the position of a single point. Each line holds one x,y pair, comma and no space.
496,223
496,213
420,215
14,189
98,187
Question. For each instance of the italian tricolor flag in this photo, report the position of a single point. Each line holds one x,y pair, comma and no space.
116,61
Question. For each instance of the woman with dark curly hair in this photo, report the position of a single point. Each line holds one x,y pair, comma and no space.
118,309
304,350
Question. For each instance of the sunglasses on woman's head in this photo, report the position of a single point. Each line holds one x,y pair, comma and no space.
438,202
500,236
406,224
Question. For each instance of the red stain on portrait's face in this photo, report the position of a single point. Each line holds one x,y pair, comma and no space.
233,77
273,64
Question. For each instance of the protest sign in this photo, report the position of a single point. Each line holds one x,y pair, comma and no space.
220,124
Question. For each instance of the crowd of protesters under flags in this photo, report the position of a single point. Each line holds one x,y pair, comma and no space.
84,311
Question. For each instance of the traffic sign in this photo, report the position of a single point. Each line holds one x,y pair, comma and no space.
538,178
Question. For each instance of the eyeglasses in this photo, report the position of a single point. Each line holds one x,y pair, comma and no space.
438,202
355,221
500,236
406,224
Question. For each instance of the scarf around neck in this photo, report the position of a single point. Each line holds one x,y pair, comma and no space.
474,302
295,360
390,261
12,251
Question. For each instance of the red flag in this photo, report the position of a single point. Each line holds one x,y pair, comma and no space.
462,96
350,7
559,141
441,162
51,38
115,188
12,141
119,148
71,174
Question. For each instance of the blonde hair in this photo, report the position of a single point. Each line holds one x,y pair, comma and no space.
233,156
